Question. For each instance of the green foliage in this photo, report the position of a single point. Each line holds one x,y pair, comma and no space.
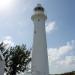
17,59
1,51
1,47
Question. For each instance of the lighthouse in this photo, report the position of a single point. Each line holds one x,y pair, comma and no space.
39,51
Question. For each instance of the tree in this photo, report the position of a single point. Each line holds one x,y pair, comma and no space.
1,47
1,51
17,59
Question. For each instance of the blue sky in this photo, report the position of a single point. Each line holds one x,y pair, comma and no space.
16,26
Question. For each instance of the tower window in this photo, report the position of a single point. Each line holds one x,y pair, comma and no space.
38,20
39,8
34,31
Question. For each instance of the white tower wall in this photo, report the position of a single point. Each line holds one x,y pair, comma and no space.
39,52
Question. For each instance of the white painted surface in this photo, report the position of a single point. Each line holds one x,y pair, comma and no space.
39,52
2,64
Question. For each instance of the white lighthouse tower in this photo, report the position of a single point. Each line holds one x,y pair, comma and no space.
39,52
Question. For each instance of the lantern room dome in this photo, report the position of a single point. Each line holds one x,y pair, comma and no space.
39,8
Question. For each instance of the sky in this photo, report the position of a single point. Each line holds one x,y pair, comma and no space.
17,27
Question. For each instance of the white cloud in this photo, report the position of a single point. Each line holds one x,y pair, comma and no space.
8,37
8,41
55,53
59,57
67,60
51,26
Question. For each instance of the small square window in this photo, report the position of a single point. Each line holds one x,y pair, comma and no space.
38,20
